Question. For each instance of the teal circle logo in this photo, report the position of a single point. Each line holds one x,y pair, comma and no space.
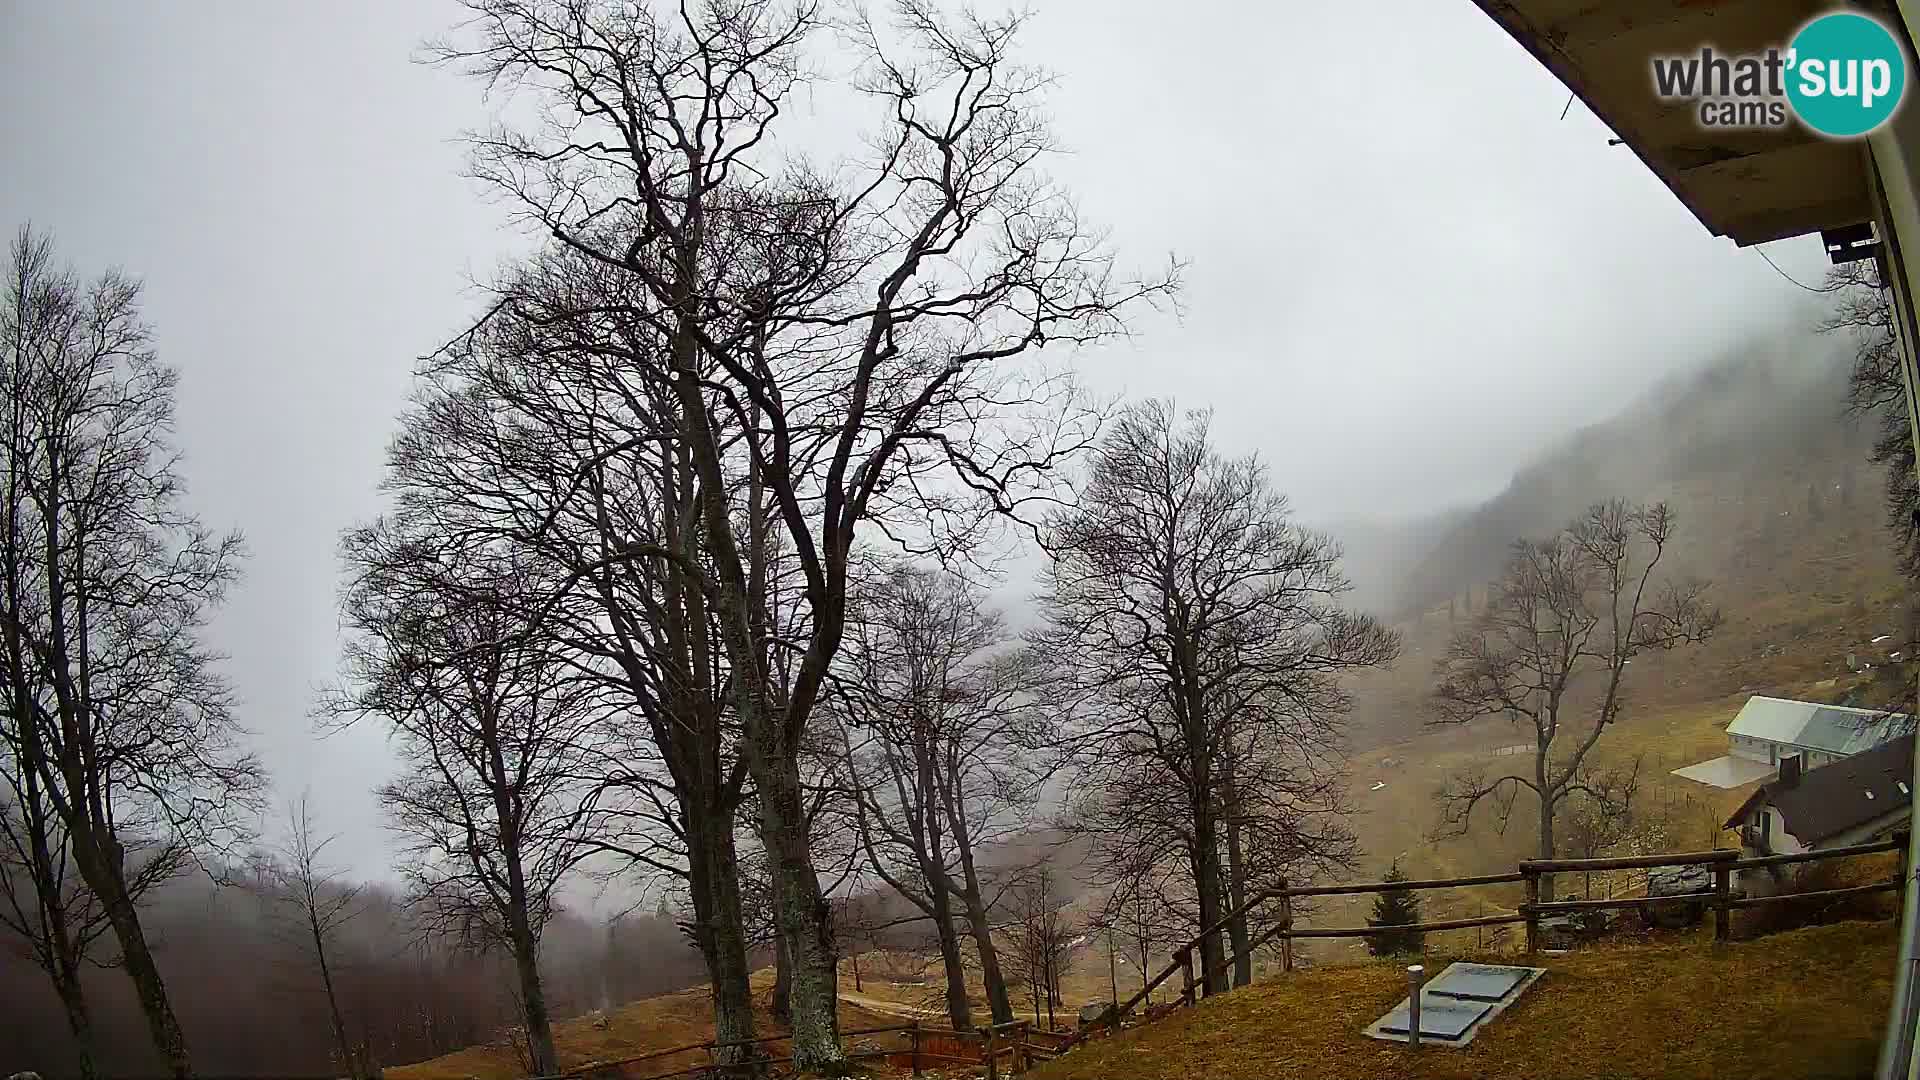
1846,74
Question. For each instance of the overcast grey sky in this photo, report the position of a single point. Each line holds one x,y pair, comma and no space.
1408,273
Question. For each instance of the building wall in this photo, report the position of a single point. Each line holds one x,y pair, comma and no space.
1767,752
1811,758
1876,829
1783,842
1746,746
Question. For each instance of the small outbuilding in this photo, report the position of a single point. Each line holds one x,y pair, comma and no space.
1769,729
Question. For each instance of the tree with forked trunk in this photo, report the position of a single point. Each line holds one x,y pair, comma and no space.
1204,628
542,433
492,729
1550,653
843,336
120,743
946,732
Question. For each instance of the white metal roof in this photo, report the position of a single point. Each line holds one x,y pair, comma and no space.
1835,729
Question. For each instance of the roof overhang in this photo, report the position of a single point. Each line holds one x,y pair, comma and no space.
1753,185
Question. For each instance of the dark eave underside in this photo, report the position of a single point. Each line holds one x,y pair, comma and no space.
1752,186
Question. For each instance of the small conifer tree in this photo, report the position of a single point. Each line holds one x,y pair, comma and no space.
1391,908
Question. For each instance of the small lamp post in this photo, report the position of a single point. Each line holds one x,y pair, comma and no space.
1416,974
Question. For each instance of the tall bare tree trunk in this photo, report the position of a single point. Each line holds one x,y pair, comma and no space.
773,757
101,861
533,1002
714,884
64,949
1236,876
1207,877
959,1009
73,1000
1547,807
998,1003
1237,935
522,937
782,1006
800,911
354,1066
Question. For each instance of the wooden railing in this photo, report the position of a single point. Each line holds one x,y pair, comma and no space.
1019,1043
1720,898
618,1066
1013,1047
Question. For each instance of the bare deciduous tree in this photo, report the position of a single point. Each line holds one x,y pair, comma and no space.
491,729
1595,825
1863,311
1044,935
1550,653
118,722
543,433
841,336
945,738
1207,626
1135,910
321,902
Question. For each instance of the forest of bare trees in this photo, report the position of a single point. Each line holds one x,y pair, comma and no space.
690,589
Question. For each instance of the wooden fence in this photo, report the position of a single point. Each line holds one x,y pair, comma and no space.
1017,1045
1720,898
1013,1047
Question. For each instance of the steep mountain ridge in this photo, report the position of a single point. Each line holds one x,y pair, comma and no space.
1760,422
1777,506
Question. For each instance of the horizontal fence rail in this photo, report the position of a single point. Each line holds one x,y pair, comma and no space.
1014,1045
1721,862
586,1069
1531,867
1020,1043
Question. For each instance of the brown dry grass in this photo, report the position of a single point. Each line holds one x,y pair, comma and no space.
888,979
640,1027
1809,1003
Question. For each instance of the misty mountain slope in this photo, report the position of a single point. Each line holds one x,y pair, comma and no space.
1746,427
1777,506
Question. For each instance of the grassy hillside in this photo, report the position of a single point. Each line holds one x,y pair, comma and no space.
640,1027
1778,507
1793,1005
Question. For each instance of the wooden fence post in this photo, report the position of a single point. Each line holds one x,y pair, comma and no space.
916,1048
1529,908
1722,902
993,1057
1286,927
1186,977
